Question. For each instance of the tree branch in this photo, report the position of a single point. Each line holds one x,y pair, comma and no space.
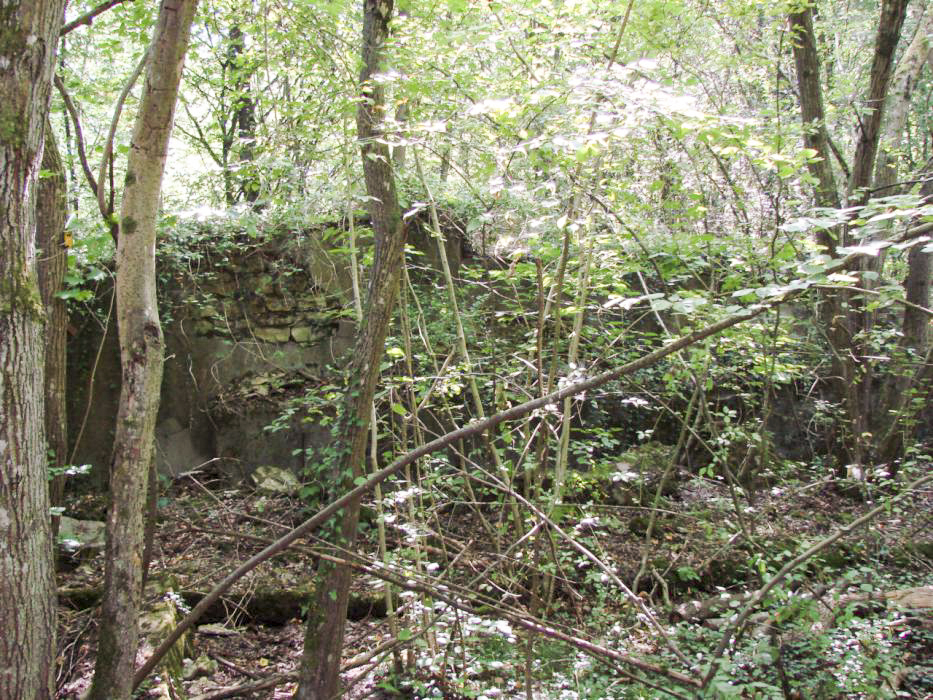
105,209
200,137
79,135
88,17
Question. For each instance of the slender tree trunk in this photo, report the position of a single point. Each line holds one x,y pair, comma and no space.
399,153
244,115
320,663
51,208
913,378
28,43
863,419
916,325
807,60
886,40
918,54
908,378
141,352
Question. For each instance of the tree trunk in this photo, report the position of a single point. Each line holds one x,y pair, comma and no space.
909,380
244,115
141,352
905,80
913,374
889,33
831,308
320,663
51,209
840,312
28,43
863,420
807,61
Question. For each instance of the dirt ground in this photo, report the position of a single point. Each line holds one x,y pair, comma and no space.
206,528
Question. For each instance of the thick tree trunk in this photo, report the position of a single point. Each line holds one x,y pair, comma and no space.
320,662
141,352
51,210
28,42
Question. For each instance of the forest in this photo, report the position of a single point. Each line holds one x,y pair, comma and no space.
569,349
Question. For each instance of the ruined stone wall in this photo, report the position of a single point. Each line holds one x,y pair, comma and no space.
252,322
249,323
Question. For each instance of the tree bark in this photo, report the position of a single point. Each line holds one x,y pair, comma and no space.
320,663
244,115
28,44
141,352
832,303
859,374
51,210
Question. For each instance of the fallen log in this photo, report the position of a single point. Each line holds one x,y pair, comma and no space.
265,606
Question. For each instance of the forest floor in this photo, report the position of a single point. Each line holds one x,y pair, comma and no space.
694,554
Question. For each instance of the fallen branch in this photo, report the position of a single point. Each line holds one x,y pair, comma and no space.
233,667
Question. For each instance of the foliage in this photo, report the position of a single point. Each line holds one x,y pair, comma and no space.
637,166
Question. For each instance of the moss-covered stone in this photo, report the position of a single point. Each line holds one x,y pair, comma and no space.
273,335
156,623
278,304
304,334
